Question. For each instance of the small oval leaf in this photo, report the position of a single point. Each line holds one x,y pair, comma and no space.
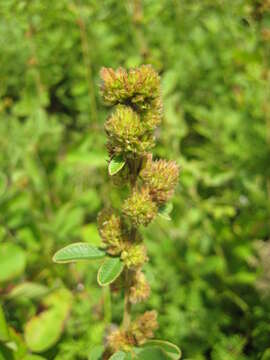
119,355
165,210
109,271
170,349
152,353
116,164
13,261
96,353
78,251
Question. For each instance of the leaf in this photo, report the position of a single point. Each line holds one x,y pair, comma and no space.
96,353
152,353
119,355
165,210
78,251
4,333
109,271
170,349
13,261
33,357
44,330
28,290
116,164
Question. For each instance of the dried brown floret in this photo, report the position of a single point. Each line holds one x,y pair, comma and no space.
140,289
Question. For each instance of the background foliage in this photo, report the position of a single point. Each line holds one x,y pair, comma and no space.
209,266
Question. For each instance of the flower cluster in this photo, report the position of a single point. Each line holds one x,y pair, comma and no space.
130,133
140,208
140,289
138,87
138,112
134,256
126,132
161,179
138,332
112,231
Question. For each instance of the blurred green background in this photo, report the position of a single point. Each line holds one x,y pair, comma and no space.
210,266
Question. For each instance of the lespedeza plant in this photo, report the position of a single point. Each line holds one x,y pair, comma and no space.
130,132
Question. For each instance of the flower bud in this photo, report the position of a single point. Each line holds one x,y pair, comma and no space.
134,256
127,133
161,178
140,208
140,289
112,231
144,326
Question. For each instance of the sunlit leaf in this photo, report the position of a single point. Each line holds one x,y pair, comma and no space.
165,210
170,349
13,261
78,251
109,271
116,164
28,290
45,329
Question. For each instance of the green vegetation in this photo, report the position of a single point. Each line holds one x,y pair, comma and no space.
209,266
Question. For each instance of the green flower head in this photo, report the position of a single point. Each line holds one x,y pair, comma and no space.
127,133
112,231
161,178
140,208
137,87
134,256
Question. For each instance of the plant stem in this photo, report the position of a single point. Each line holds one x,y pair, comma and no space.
127,304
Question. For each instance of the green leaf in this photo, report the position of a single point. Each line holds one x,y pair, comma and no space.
96,353
33,357
119,355
170,349
165,210
116,164
109,271
13,261
44,330
78,251
28,290
4,333
152,353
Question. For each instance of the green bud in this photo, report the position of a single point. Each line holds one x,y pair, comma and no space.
140,208
134,256
161,178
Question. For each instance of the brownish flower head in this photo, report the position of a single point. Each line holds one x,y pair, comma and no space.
120,340
138,87
161,178
140,208
134,256
140,289
112,231
127,133
144,326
